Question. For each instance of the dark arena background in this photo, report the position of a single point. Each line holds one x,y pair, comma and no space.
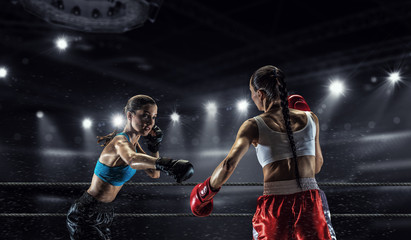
67,69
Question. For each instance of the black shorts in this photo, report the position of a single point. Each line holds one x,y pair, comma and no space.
89,218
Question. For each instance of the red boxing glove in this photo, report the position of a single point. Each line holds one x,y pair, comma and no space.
298,102
201,199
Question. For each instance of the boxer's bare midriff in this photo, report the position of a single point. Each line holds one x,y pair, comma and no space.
103,191
284,169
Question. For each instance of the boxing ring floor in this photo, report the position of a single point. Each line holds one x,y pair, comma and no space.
174,199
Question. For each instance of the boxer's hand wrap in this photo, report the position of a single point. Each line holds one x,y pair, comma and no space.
298,102
201,199
153,142
181,170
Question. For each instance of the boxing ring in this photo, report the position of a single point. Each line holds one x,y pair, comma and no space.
191,184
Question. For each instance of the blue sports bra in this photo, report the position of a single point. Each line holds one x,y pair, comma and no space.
274,146
116,176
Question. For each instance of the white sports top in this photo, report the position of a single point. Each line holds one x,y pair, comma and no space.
274,146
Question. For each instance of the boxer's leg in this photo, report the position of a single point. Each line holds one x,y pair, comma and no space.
103,221
89,219
272,218
310,222
327,214
76,221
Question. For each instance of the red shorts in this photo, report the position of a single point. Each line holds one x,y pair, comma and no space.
297,216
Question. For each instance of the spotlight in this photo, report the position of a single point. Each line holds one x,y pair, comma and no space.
110,12
61,43
76,11
242,105
394,77
40,114
211,108
3,72
337,88
59,4
87,123
175,117
118,120
96,13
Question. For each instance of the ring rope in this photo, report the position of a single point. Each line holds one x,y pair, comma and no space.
348,215
141,184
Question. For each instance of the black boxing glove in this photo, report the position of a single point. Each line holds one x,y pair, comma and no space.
181,170
153,142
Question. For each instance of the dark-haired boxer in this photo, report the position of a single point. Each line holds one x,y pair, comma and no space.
298,102
91,215
288,149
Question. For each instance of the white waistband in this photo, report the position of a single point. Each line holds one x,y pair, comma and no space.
289,186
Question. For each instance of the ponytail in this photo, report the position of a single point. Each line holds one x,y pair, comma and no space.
107,139
286,115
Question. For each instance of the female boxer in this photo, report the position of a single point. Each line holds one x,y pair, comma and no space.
91,215
288,149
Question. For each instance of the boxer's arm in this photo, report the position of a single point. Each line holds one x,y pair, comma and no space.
318,154
153,173
156,154
245,136
150,172
135,160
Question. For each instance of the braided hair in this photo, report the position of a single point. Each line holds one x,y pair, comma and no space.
133,104
270,79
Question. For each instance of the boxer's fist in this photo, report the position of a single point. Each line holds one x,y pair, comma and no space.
298,102
181,170
201,199
153,141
